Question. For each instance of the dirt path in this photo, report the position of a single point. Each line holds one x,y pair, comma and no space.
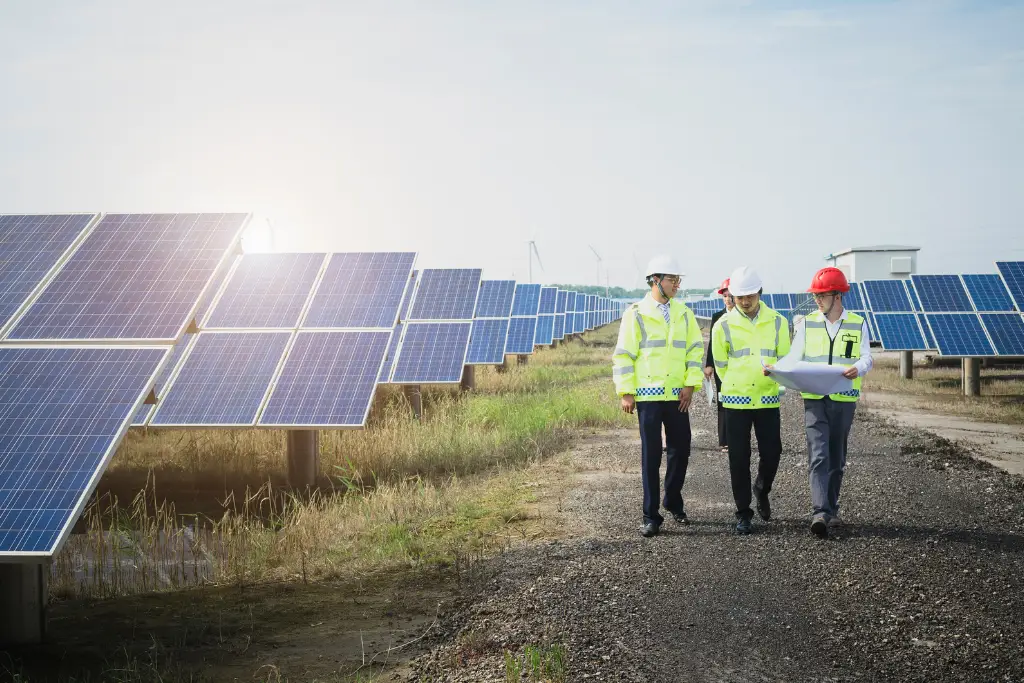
923,583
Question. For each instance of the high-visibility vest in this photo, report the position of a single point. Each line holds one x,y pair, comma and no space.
739,347
844,350
654,360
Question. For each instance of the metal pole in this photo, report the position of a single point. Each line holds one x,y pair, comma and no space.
503,368
468,382
303,457
23,592
972,374
522,358
413,395
907,364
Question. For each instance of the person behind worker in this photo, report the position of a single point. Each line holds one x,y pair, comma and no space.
831,335
709,364
655,367
744,338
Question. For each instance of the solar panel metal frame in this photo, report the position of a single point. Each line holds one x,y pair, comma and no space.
966,316
16,556
160,387
1012,273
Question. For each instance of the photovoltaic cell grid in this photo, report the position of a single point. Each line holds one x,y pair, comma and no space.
887,296
205,306
223,380
929,340
942,293
360,290
30,247
548,300
63,411
487,342
527,301
852,299
432,353
915,301
446,294
328,379
988,292
495,299
1006,331
136,276
545,330
389,360
559,326
560,301
267,291
900,332
143,414
521,332
1013,276
959,334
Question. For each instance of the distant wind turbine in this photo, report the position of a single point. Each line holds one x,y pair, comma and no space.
599,259
531,252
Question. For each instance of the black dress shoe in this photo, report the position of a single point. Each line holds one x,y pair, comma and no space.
764,507
680,517
744,527
650,529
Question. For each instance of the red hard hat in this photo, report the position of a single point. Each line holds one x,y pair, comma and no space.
829,279
724,286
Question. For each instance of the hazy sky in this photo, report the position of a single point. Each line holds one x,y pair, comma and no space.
765,133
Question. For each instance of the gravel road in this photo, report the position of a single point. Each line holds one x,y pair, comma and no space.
922,583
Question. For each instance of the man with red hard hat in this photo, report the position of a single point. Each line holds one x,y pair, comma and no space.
709,363
831,335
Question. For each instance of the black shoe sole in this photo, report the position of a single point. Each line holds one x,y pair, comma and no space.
819,528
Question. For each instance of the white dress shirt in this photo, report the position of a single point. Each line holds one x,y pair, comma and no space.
863,364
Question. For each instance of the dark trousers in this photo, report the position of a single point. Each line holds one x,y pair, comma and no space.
723,437
767,426
652,415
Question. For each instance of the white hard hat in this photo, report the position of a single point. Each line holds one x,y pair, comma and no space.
744,281
663,265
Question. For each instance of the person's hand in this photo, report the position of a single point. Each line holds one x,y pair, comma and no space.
708,371
628,403
767,370
851,372
685,396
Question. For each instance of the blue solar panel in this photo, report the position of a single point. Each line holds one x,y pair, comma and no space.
1006,331
432,353
143,414
527,300
929,340
988,292
1013,276
801,299
543,335
495,298
223,381
887,296
559,328
521,332
136,276
63,412
959,334
266,291
548,300
328,380
360,290
900,332
942,293
487,342
389,360
915,301
561,301
217,282
852,299
30,247
580,323
446,294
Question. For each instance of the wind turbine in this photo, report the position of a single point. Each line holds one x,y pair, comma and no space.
532,244
599,259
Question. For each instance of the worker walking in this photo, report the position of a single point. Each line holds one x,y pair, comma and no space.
655,366
742,339
831,335
709,364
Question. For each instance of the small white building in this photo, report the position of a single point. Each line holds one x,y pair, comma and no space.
881,262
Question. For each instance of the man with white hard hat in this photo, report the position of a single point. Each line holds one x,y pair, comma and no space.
656,366
742,338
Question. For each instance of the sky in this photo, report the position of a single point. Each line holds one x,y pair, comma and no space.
725,133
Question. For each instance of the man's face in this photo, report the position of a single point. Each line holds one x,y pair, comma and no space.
748,303
729,301
825,301
669,284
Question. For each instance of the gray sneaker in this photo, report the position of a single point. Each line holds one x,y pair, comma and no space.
819,527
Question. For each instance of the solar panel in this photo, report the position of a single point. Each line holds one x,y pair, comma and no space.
143,414
487,342
988,292
446,294
852,299
559,328
887,296
266,291
495,299
527,301
872,328
1013,276
561,300
915,301
432,353
389,360
1006,331
217,282
63,412
223,380
929,340
30,247
135,276
548,300
328,380
521,332
900,332
942,293
543,336
580,322
360,290
959,334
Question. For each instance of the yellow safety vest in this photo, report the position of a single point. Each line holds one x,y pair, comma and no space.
844,350
653,359
739,347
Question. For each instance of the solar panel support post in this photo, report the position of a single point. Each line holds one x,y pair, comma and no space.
468,382
972,376
303,457
522,359
23,592
907,364
415,398
503,368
